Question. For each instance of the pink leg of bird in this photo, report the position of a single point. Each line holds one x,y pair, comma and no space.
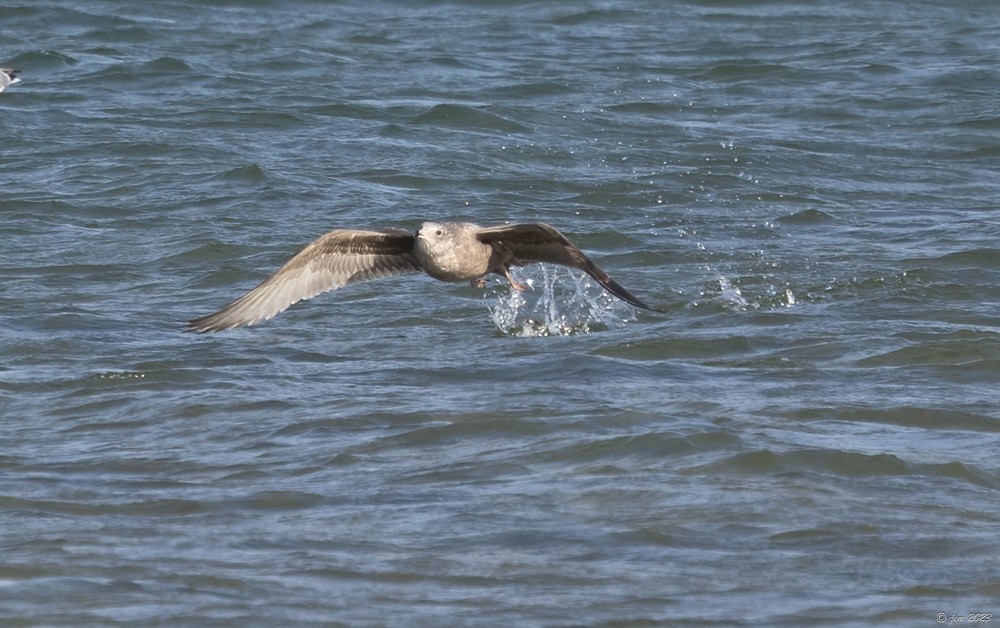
517,285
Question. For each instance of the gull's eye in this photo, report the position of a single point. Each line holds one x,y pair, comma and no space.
438,232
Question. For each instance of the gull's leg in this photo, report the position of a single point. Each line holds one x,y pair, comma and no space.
517,285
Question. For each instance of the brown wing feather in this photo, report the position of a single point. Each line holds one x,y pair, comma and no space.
538,242
333,260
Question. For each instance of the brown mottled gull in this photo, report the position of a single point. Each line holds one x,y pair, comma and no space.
449,251
8,77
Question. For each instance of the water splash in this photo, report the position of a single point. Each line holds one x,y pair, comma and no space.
561,302
765,295
732,297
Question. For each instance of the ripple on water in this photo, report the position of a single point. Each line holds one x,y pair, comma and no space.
465,117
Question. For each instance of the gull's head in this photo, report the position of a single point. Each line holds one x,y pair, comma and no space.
432,231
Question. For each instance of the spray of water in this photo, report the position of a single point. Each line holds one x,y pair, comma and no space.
731,297
560,302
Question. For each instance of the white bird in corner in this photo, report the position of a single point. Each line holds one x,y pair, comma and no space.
448,251
8,77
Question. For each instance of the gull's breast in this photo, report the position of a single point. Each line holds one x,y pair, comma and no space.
453,261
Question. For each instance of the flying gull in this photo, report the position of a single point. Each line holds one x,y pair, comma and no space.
8,77
448,251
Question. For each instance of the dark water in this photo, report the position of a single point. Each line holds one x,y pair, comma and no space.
809,435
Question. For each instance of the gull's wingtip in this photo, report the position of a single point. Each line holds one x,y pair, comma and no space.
206,324
194,327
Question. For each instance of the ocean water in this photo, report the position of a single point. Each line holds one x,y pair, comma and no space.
809,434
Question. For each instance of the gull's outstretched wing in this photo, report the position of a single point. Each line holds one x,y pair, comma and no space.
538,242
333,260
